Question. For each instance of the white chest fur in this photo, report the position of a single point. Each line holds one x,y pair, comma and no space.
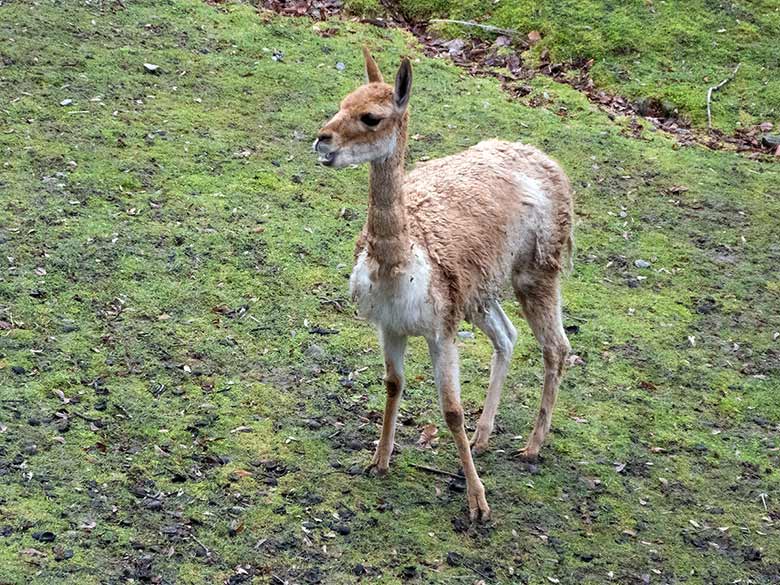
401,303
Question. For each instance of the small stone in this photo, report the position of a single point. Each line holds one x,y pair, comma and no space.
409,572
44,536
152,68
62,554
456,485
66,102
770,140
503,41
641,263
340,66
455,47
342,529
315,352
454,559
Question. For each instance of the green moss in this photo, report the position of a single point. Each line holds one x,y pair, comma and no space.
672,51
194,247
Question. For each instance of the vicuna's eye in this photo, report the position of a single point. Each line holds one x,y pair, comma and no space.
370,119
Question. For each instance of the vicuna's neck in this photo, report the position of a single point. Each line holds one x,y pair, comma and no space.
387,229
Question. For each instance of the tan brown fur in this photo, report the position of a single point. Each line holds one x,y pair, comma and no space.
462,227
450,201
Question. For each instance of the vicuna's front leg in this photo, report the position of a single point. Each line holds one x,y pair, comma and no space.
394,347
444,355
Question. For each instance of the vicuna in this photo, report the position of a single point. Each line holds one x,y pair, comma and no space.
438,246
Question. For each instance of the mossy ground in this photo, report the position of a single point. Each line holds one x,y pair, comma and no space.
175,263
667,50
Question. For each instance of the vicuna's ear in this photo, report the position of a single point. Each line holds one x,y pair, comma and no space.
403,85
373,74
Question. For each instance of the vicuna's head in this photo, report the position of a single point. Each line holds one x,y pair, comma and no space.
371,122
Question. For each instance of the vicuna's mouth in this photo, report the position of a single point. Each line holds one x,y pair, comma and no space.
327,158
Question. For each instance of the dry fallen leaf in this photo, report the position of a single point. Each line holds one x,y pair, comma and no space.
61,395
236,526
428,436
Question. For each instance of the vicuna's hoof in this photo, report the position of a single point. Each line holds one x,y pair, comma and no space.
375,470
527,455
479,511
479,442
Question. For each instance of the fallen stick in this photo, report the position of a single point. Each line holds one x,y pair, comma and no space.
85,417
203,546
487,27
436,471
716,88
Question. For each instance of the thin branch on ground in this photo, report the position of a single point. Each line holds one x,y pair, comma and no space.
436,471
203,546
85,417
716,88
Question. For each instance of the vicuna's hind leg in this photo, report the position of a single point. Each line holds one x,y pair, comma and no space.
539,294
503,335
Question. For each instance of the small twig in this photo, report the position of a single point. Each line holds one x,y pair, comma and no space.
487,27
477,571
580,319
203,546
85,417
716,88
436,471
123,410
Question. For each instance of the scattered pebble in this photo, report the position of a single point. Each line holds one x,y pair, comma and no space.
641,263
44,536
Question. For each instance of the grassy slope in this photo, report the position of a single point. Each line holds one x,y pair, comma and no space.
671,50
193,243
